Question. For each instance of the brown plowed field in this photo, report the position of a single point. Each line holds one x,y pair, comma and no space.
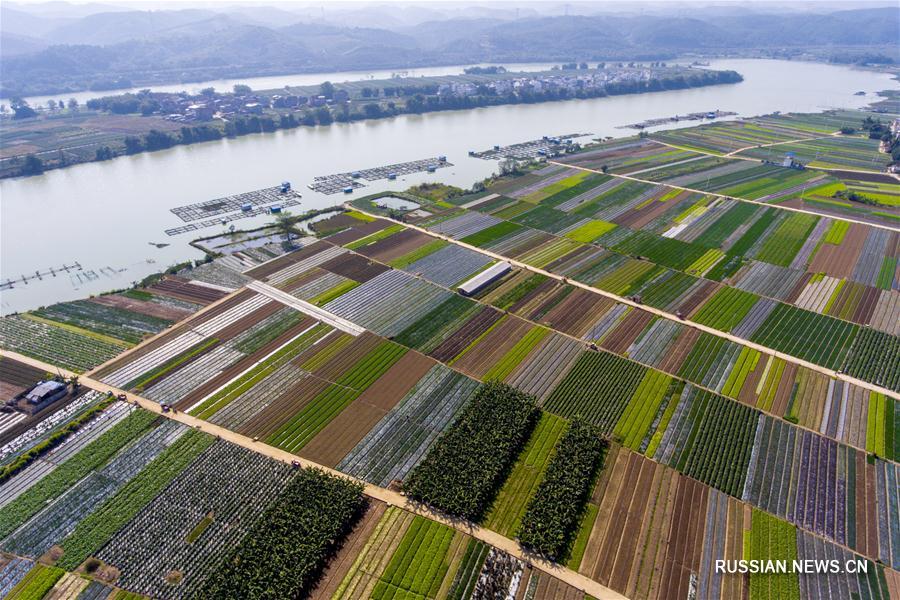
353,545
679,350
572,258
488,352
551,588
285,406
143,307
839,261
183,289
578,312
798,288
359,230
530,244
355,267
624,334
277,264
348,356
335,222
550,301
353,423
696,299
396,245
466,334
685,543
638,218
531,302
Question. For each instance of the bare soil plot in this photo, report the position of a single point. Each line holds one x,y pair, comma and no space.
273,266
183,289
839,261
395,246
478,360
353,545
355,267
353,423
359,230
619,340
143,307
283,407
466,334
578,312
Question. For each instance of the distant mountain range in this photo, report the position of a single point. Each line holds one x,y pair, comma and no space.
48,53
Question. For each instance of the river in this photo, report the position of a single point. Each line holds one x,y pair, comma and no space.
106,215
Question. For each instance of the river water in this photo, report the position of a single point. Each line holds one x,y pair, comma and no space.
107,215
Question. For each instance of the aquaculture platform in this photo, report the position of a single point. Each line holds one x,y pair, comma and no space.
287,201
546,146
698,116
265,197
340,182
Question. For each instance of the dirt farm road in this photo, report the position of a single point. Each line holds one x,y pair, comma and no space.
389,497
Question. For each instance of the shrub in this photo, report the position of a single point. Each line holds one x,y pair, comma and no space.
554,512
463,470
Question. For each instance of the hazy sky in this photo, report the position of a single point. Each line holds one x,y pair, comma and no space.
834,4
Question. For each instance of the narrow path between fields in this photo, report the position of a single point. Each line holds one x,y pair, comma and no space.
757,202
734,154
660,313
391,498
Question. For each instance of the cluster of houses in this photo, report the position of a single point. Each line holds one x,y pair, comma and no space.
572,82
178,108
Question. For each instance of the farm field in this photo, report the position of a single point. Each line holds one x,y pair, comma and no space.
833,152
837,175
83,334
690,403
740,310
645,381
661,243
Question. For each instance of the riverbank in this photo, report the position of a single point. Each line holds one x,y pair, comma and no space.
105,135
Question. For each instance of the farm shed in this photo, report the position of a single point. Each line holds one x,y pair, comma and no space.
484,278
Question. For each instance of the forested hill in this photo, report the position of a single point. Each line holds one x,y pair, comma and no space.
120,49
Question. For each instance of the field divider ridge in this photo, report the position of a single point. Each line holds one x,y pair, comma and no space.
305,307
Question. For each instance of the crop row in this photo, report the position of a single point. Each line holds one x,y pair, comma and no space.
772,538
99,526
284,552
207,508
597,388
55,345
57,520
181,341
505,515
373,304
402,437
64,477
117,323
